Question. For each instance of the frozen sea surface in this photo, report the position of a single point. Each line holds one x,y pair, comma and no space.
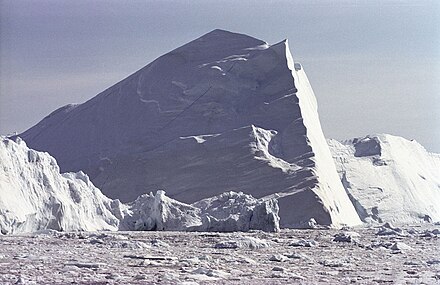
376,255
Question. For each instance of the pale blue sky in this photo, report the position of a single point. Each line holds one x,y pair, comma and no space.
374,65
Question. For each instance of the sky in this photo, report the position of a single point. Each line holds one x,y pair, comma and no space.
374,65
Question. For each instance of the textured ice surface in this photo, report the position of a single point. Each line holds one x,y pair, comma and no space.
225,112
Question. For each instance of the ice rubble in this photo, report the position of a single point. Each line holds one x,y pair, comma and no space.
227,212
389,178
35,196
151,212
225,111
232,211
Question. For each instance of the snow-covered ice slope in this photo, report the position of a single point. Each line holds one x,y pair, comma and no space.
35,196
223,112
389,178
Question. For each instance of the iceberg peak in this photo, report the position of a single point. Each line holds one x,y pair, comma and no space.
213,89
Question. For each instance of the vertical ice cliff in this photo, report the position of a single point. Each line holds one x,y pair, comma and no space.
223,112
35,196
389,178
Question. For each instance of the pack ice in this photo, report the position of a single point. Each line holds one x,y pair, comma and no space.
225,112
389,178
35,196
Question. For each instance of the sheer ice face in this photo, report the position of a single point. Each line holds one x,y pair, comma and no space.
389,178
223,112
